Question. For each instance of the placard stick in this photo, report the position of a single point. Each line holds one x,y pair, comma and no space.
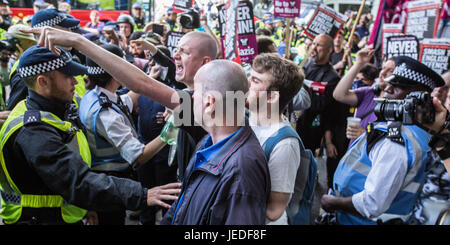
350,40
287,38
308,53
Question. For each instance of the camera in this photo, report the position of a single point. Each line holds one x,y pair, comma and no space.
417,107
9,44
190,19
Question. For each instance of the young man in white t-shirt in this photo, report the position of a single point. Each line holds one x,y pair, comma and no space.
273,82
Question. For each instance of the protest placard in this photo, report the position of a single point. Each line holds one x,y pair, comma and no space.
180,6
242,41
406,45
422,18
286,8
172,41
435,53
325,21
390,30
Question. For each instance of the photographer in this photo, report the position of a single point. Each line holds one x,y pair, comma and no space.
433,202
441,115
378,179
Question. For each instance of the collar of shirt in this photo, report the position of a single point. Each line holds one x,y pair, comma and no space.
36,101
111,96
209,149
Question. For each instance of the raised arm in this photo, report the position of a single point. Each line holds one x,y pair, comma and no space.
343,92
124,72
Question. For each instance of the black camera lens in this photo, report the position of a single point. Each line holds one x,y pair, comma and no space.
190,19
186,21
389,111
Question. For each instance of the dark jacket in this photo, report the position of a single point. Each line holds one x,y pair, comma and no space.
231,188
315,120
39,162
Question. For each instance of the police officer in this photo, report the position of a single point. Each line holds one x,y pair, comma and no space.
138,13
45,158
378,179
44,17
112,138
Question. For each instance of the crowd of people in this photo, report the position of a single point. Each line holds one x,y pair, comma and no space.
104,119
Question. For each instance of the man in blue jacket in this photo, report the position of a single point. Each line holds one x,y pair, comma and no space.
227,180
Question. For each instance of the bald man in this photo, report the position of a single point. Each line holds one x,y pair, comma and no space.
194,50
325,117
227,181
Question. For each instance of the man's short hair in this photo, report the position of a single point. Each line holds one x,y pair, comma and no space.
207,46
263,32
287,77
136,35
370,72
264,43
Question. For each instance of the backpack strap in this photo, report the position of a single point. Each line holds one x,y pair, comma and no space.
299,208
278,136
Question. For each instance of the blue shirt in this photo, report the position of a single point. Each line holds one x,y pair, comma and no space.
204,155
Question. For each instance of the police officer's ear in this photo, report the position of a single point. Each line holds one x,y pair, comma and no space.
43,82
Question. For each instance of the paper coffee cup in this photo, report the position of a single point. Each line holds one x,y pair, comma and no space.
353,121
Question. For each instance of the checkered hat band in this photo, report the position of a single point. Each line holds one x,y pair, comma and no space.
403,71
51,22
95,70
37,69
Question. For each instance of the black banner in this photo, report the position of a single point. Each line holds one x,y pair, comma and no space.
182,5
435,53
172,41
422,18
325,21
402,45
248,48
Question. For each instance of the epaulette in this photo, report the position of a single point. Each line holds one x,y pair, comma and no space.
104,100
31,116
394,132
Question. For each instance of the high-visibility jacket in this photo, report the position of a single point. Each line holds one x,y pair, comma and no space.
351,174
105,156
13,200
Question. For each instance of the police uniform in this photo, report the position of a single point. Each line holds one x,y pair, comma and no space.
45,158
112,138
385,167
44,17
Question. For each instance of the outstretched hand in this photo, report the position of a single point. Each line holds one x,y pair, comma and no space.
145,45
156,195
51,37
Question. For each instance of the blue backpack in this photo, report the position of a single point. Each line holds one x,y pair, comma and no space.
300,205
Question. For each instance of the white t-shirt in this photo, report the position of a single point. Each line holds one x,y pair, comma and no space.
283,163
